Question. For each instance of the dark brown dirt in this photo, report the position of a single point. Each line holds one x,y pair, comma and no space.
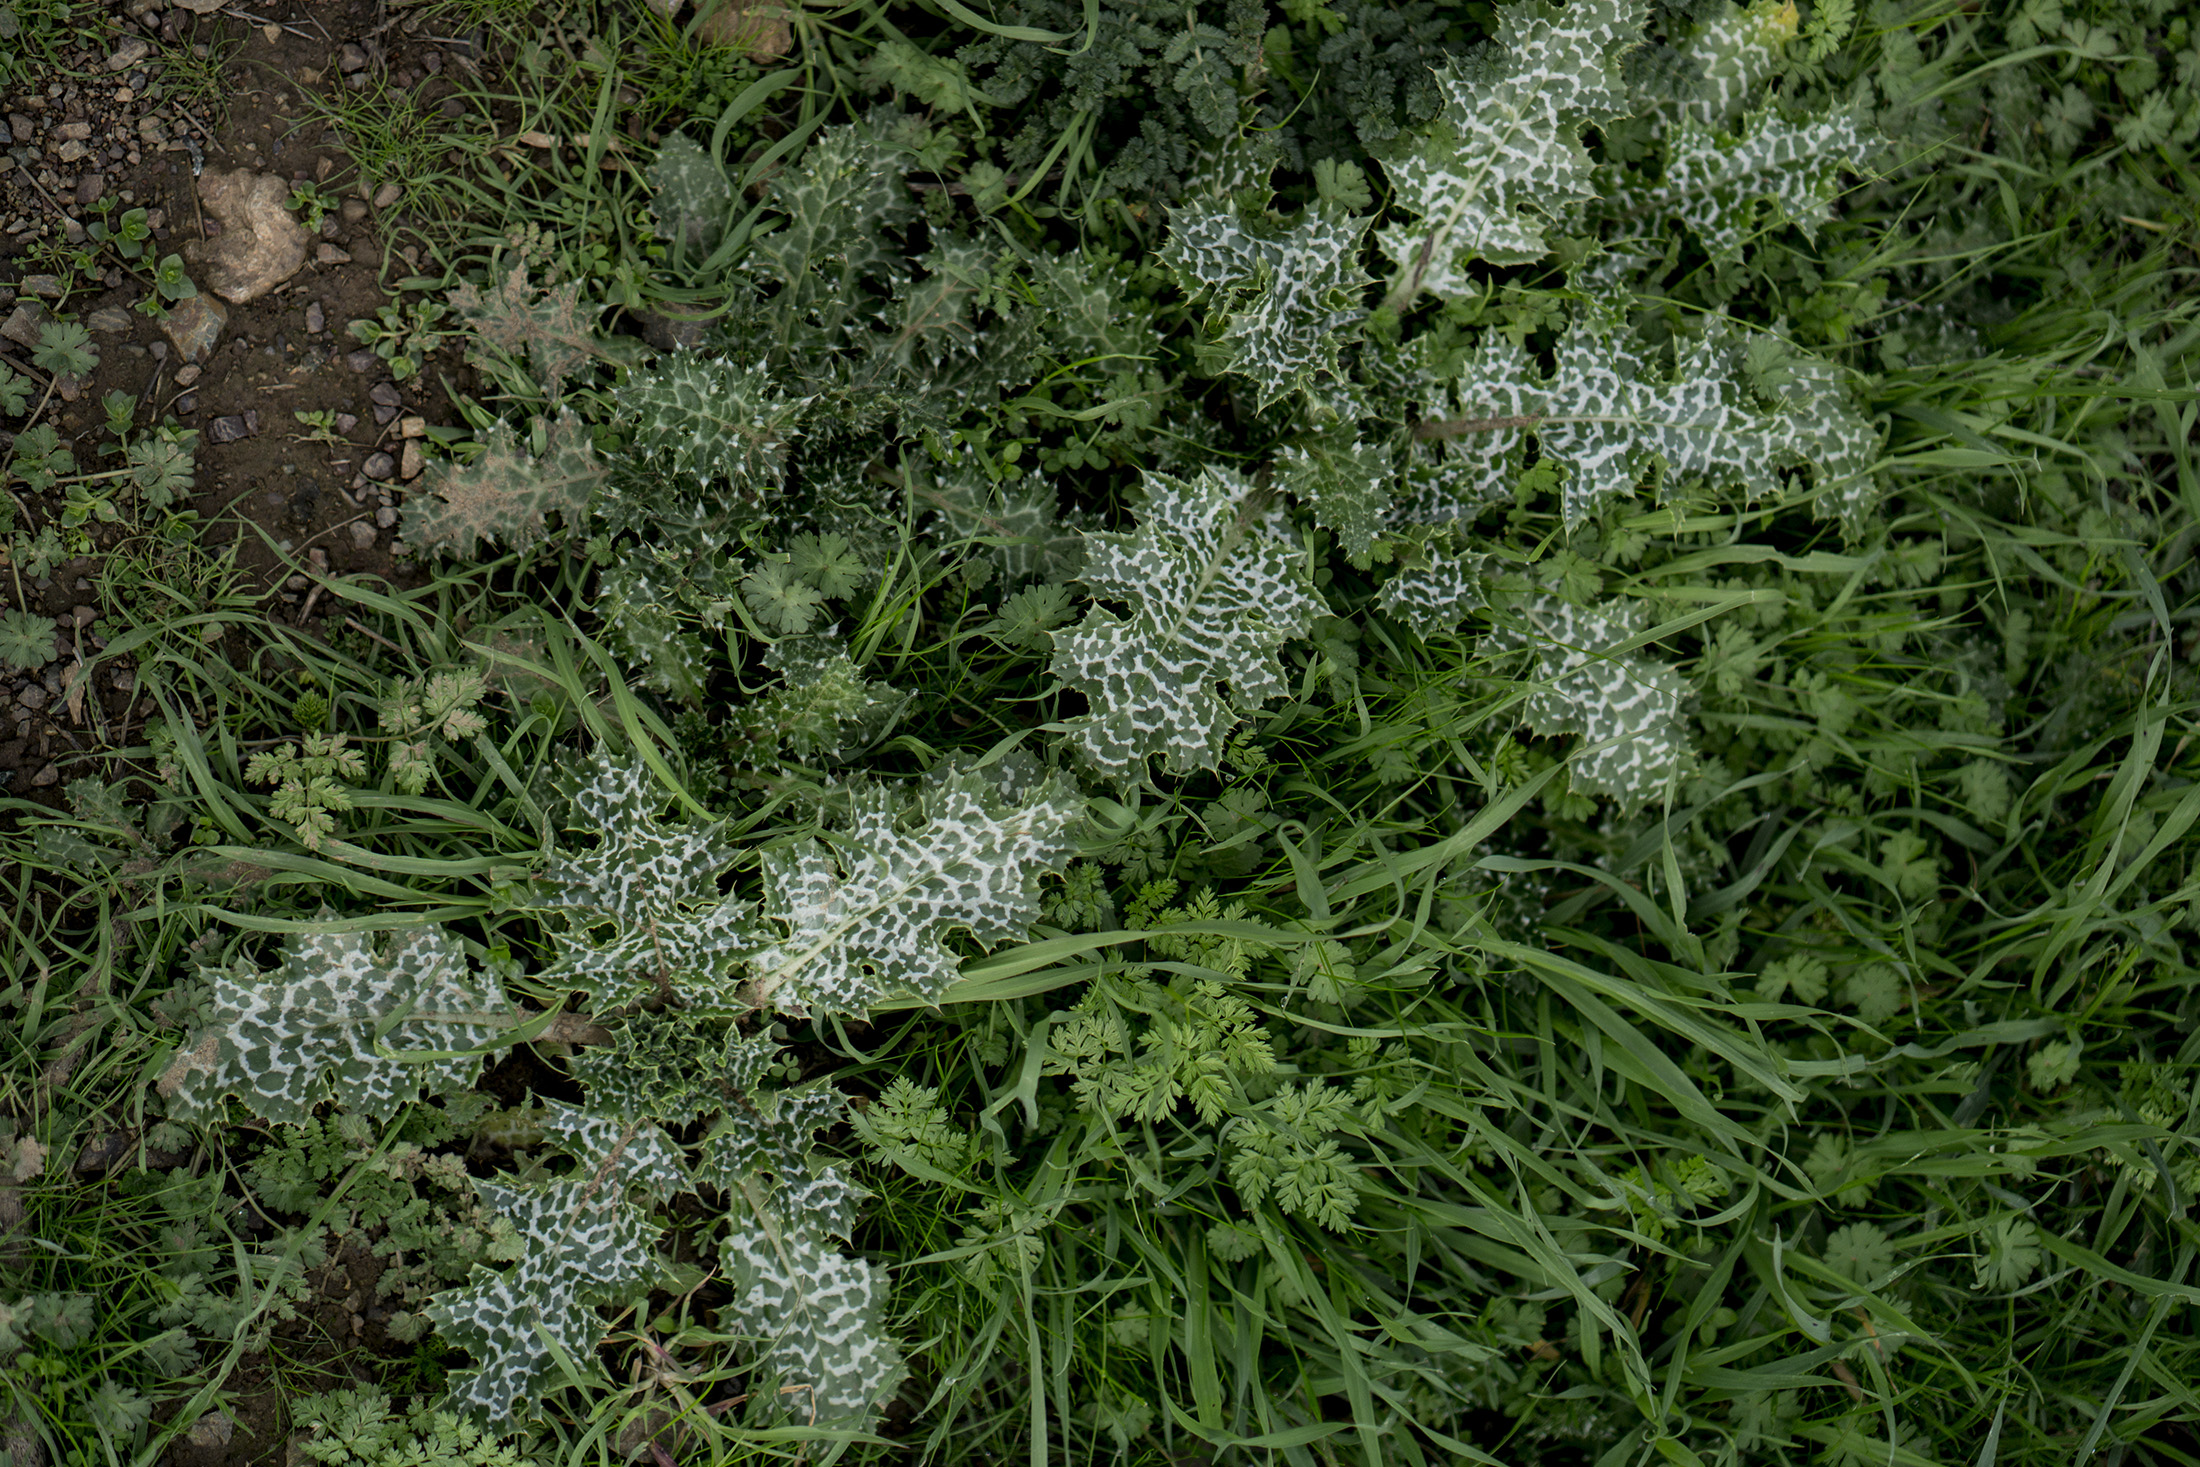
290,505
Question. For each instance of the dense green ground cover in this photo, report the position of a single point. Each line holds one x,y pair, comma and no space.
1438,801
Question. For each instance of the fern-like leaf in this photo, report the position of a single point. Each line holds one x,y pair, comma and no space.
1626,707
506,495
655,886
867,917
1505,154
329,1023
1214,593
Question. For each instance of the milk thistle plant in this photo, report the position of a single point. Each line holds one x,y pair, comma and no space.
1507,785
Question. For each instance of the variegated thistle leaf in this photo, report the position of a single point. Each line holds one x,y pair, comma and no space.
1609,414
1735,52
676,1065
1214,592
547,327
689,193
707,421
1729,188
837,205
1626,707
1018,524
1290,293
1347,481
867,917
1436,589
330,1023
622,1147
825,709
584,1244
506,496
655,886
1505,154
815,1312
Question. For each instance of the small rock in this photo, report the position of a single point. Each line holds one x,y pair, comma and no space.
71,151
187,374
125,681
83,616
385,517
158,351
109,321
410,462
412,427
48,286
228,429
345,422
318,559
22,327
350,59
362,535
47,777
194,325
329,254
387,394
73,232
68,386
188,403
128,54
260,245
383,412
378,466
330,229
89,188
353,210
20,126
316,319
386,195
214,1429
296,583
362,361
32,697
76,131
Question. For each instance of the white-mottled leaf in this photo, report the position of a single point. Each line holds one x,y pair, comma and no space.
1435,594
1775,172
814,1311
709,422
1625,706
1214,592
1735,52
1347,481
1505,154
1609,414
584,1245
1290,293
328,1023
866,917
625,1150
655,886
